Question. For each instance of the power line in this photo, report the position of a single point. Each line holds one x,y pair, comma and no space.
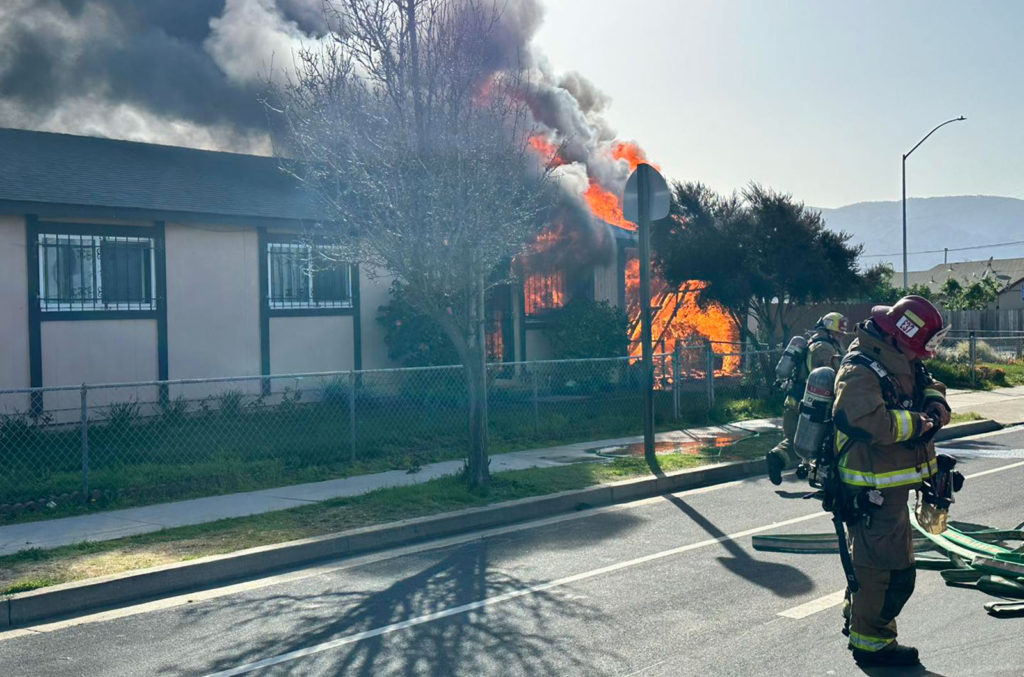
949,249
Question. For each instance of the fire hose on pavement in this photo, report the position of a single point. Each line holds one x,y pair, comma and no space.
989,560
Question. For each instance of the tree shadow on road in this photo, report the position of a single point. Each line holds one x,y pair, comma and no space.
915,671
456,615
781,579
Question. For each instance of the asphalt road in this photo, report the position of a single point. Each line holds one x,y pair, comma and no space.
666,586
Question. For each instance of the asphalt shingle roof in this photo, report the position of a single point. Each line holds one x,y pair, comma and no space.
1006,271
41,167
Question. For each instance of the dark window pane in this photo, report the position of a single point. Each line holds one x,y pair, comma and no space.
125,267
331,285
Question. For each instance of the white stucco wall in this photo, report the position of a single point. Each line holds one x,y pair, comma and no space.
373,293
14,369
212,301
311,344
98,351
537,345
1011,298
606,287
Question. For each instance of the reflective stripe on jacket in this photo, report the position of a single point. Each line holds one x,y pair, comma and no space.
877,440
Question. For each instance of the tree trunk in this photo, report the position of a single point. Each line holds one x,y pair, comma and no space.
478,472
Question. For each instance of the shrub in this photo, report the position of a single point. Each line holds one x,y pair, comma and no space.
231,403
336,392
961,353
584,328
121,415
173,411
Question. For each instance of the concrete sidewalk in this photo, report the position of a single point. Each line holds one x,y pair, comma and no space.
1003,405
118,523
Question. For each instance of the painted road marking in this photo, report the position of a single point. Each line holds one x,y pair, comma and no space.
498,599
815,605
340,564
836,598
508,596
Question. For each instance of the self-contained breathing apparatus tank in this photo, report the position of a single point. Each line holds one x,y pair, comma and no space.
815,421
786,367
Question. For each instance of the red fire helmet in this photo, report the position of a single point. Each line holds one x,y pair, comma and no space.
914,322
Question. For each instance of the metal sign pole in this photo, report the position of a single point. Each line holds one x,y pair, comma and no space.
645,199
644,225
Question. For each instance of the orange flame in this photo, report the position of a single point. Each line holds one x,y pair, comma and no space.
631,153
606,206
677,319
544,289
547,149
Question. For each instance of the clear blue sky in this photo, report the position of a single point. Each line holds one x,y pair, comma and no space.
815,97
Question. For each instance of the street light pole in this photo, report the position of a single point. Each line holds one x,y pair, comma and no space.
905,156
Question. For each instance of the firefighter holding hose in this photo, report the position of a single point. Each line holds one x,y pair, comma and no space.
887,409
802,356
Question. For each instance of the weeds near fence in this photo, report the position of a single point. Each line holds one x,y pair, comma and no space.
201,438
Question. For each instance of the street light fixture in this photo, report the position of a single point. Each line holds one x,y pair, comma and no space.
905,156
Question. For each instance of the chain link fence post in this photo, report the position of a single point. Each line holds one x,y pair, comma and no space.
83,425
352,416
709,375
973,349
677,355
536,402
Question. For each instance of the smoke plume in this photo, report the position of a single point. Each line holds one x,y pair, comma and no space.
190,73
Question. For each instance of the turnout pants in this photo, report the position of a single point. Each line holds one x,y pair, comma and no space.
790,414
883,559
881,597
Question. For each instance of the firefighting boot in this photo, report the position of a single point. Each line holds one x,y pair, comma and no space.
893,654
776,462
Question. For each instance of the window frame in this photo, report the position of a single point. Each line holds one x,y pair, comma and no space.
50,235
277,307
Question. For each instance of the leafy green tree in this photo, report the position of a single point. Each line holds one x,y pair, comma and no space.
975,296
878,287
761,252
584,328
414,338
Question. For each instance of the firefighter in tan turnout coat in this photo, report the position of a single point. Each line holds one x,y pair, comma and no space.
823,350
885,412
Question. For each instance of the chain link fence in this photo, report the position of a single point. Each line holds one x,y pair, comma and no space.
980,358
155,441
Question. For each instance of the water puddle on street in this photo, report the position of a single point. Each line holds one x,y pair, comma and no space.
698,444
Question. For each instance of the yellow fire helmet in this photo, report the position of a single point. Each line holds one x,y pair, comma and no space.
835,322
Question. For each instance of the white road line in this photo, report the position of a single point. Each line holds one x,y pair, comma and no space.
995,470
498,599
340,564
836,598
454,611
815,605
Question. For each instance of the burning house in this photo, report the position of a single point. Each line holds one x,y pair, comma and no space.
151,259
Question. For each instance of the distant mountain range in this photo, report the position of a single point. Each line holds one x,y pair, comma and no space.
933,223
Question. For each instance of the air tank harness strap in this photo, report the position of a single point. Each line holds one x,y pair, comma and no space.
894,398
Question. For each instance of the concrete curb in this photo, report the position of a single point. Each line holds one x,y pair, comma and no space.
967,429
120,589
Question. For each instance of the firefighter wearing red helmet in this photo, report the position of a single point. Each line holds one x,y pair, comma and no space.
886,410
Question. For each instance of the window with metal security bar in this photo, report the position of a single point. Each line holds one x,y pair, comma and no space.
96,272
301,275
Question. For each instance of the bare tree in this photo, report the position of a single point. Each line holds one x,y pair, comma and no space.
417,143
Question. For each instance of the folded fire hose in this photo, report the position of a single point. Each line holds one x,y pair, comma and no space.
979,558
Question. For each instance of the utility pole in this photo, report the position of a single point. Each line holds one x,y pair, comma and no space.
905,156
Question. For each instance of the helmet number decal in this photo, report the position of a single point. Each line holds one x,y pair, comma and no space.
910,324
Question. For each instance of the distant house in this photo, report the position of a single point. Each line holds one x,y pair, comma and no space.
124,261
1009,273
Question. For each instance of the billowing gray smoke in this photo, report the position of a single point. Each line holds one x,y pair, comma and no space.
190,72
